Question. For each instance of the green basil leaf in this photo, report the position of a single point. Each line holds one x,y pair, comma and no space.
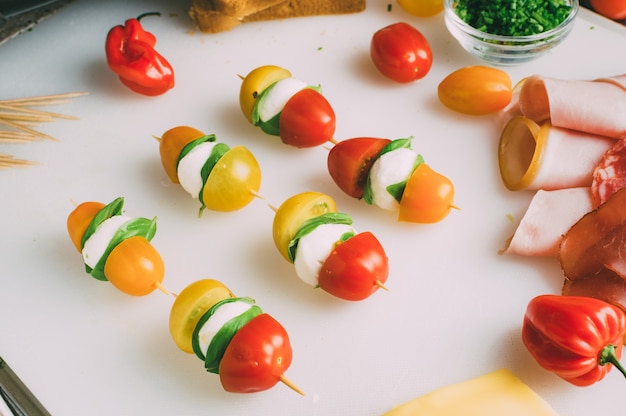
142,227
255,117
368,194
195,340
396,144
216,153
224,336
192,144
108,211
271,126
311,224
396,190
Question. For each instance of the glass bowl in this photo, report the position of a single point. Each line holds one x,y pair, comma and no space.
506,50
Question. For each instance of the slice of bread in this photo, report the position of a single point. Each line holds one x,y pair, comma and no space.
213,16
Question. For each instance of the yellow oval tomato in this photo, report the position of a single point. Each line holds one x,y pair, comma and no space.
255,82
190,305
293,212
79,219
428,196
135,267
476,90
233,181
422,8
171,144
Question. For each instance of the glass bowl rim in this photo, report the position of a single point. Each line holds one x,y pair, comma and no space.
475,33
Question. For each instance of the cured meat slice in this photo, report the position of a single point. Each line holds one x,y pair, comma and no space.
610,174
597,241
606,286
548,217
595,107
533,156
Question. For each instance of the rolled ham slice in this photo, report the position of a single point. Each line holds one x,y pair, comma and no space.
596,107
549,216
533,156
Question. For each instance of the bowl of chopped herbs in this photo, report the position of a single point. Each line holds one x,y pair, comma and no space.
509,32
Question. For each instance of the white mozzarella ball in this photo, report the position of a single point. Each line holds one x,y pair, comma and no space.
190,168
220,317
314,248
274,101
97,243
389,169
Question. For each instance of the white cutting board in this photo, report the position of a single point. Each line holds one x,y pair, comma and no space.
454,309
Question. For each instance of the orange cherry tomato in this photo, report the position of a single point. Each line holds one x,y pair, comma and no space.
79,219
135,267
476,90
428,196
171,144
613,9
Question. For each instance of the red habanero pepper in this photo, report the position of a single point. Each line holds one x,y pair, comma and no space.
575,337
131,55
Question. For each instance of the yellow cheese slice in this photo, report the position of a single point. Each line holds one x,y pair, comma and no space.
498,393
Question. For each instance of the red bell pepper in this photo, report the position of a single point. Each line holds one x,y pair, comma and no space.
131,55
575,337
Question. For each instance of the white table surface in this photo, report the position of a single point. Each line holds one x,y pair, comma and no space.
454,309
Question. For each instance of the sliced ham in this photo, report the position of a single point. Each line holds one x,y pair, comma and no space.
595,107
548,217
533,156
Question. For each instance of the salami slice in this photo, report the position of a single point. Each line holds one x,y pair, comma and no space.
548,217
533,156
595,107
610,174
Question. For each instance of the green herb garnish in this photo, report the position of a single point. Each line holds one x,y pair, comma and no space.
513,17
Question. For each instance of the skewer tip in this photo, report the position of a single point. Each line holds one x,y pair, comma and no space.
290,384
382,285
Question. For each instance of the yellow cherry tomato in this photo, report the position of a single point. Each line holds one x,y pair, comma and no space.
135,267
295,211
428,196
172,143
233,181
476,90
255,83
79,219
190,305
422,8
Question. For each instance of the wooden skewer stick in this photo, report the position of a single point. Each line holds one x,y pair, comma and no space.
42,99
161,288
23,128
382,285
290,384
7,161
257,195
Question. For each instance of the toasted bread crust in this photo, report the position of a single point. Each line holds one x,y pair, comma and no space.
213,16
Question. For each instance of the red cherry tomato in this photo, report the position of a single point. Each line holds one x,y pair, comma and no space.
257,356
613,9
356,268
349,163
307,120
401,53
